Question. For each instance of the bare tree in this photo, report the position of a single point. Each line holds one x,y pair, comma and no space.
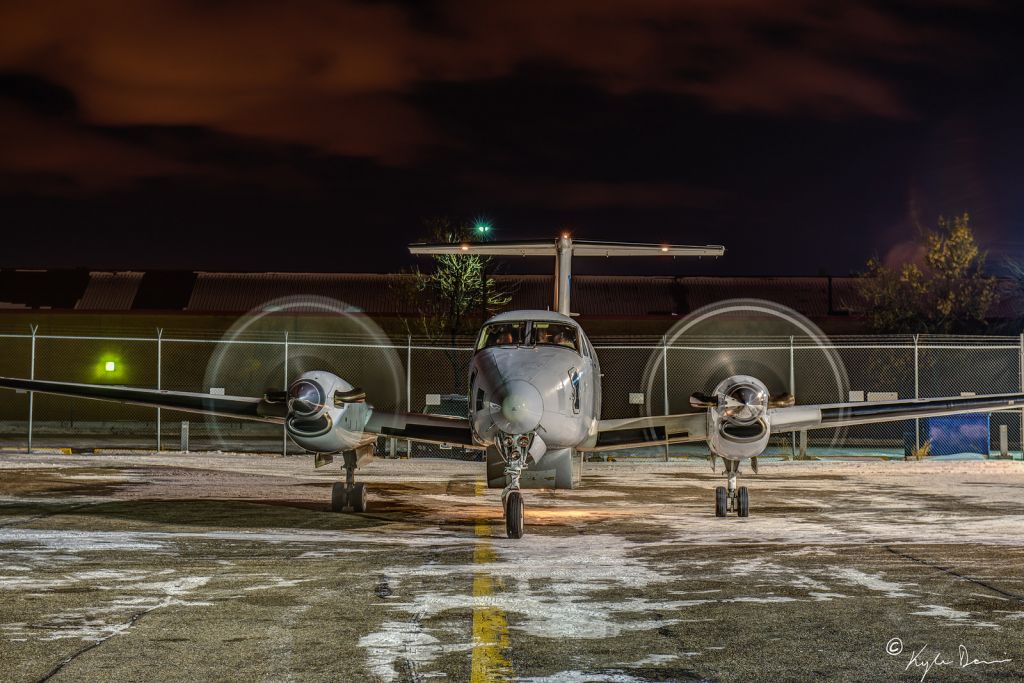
454,294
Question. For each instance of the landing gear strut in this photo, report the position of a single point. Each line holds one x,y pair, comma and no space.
514,449
349,493
732,499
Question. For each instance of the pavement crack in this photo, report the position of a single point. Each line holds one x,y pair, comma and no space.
953,572
92,646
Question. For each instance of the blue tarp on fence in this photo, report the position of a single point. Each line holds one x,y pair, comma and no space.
955,434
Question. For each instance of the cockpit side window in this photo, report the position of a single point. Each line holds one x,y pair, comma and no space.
555,334
502,334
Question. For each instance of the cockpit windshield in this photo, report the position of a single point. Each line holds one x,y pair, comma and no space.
502,334
555,334
523,333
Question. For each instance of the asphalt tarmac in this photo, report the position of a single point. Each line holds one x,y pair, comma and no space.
223,567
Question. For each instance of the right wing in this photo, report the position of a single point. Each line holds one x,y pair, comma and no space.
240,407
414,426
439,429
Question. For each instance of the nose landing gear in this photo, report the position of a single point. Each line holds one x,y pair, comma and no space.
514,449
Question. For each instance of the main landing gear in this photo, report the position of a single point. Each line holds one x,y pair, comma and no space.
732,499
348,494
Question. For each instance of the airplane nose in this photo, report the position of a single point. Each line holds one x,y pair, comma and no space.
522,407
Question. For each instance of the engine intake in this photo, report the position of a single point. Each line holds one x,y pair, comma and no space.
326,414
738,413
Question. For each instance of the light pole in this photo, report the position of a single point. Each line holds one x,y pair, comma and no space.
483,230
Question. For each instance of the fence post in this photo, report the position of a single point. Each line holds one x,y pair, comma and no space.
284,429
31,375
917,394
792,392
159,379
664,381
408,387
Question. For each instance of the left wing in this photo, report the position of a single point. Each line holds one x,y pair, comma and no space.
688,427
636,432
847,414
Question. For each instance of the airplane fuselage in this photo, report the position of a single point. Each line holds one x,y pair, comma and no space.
536,373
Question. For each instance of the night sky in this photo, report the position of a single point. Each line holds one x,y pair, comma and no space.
804,136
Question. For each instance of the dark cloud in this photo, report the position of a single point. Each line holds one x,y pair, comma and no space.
801,133
555,193
337,76
57,154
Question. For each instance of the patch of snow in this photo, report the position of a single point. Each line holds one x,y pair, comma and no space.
873,582
942,612
613,676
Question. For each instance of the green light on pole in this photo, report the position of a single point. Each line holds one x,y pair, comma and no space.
483,228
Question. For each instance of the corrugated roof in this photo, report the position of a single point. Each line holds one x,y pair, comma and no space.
611,295
393,294
240,292
110,291
808,295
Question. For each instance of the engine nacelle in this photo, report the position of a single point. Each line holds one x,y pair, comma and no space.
326,414
740,424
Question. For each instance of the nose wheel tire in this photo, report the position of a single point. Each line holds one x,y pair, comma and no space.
721,502
514,514
339,497
742,502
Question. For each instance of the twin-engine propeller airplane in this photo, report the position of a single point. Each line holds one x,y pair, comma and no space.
534,401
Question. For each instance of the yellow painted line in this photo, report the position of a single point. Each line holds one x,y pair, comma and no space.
490,627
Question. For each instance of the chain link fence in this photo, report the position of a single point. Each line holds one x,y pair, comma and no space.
641,376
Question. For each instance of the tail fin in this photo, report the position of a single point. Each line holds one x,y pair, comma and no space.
563,249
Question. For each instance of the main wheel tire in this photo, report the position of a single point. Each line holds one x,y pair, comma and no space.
514,514
743,502
721,502
357,498
339,497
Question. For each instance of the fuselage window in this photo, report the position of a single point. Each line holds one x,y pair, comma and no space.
556,334
502,334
